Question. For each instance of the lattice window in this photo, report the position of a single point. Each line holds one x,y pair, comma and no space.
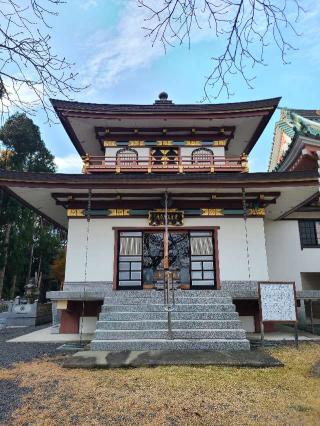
309,233
127,157
202,156
202,259
201,246
130,260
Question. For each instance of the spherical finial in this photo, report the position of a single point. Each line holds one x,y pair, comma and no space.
163,96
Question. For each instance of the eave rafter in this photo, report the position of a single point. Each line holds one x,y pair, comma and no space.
154,134
151,200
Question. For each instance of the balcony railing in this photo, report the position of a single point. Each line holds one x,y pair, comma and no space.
174,164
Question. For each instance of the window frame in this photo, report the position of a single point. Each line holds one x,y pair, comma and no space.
301,227
213,229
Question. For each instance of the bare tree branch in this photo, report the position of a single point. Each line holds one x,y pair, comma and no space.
30,72
245,28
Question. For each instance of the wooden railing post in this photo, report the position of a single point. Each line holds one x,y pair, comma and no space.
86,163
150,164
180,164
244,163
212,164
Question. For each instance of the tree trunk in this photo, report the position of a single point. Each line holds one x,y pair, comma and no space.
8,227
13,286
30,263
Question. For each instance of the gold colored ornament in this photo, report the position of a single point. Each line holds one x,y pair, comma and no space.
257,212
164,143
221,142
212,212
119,212
109,143
136,143
193,143
75,213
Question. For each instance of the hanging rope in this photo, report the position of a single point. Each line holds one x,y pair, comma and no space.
88,213
245,217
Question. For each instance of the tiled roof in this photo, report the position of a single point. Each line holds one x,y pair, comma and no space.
166,107
87,179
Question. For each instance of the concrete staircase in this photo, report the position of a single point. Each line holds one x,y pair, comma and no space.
137,320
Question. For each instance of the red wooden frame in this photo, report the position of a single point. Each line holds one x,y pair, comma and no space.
213,229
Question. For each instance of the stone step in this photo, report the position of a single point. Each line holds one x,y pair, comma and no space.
162,315
178,299
165,344
159,293
148,307
163,324
164,334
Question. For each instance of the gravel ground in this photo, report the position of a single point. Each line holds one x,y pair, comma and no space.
11,353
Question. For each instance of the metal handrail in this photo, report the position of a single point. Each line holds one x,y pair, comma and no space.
169,302
169,296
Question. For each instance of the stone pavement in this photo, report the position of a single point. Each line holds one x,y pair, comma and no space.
128,359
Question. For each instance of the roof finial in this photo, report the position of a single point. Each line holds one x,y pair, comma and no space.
163,96
163,99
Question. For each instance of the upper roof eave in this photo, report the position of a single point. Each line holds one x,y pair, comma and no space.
167,108
68,110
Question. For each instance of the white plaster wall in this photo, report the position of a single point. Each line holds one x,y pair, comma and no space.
217,150
112,151
231,239
286,259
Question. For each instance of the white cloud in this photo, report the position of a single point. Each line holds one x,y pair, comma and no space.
88,4
123,49
71,163
126,48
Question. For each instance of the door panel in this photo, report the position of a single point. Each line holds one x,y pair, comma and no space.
179,257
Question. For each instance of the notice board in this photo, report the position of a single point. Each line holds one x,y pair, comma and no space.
277,301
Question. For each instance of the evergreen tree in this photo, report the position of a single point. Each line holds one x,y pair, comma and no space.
28,244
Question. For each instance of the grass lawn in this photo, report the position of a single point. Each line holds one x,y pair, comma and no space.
171,395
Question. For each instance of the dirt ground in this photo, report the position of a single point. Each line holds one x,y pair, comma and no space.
169,395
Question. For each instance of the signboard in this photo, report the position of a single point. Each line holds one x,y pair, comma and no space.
157,217
277,302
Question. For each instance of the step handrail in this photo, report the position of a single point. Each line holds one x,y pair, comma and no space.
169,291
169,298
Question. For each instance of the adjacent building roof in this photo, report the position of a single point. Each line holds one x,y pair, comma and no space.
81,120
295,129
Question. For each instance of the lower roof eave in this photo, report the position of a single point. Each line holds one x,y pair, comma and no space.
35,189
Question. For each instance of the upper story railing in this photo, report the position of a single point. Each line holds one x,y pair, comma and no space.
168,164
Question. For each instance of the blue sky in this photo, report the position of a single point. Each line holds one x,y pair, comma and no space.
105,40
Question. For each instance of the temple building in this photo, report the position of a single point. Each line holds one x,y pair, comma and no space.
228,228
